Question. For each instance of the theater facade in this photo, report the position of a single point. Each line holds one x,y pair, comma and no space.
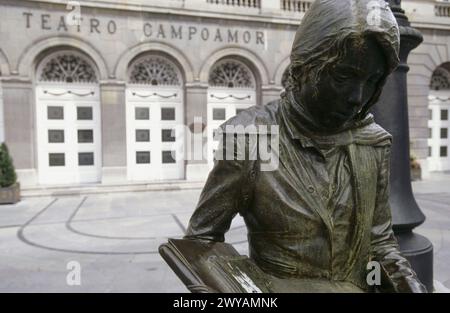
97,91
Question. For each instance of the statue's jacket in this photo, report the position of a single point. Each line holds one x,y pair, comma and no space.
320,212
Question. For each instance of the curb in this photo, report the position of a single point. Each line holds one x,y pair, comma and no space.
61,191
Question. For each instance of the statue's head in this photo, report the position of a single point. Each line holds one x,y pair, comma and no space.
342,54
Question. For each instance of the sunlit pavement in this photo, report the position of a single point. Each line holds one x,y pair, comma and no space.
115,238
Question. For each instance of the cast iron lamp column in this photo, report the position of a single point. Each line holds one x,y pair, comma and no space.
392,114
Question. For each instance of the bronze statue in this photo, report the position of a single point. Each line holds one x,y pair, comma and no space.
317,219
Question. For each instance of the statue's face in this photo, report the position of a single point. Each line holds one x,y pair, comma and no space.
344,89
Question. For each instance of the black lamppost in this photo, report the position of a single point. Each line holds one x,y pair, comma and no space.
392,114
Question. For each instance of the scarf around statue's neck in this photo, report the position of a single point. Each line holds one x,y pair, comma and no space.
301,125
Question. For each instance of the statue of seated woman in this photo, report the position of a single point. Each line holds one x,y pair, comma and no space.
322,214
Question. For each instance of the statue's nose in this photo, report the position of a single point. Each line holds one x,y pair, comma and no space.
356,95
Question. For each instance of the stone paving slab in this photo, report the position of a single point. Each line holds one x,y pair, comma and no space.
114,237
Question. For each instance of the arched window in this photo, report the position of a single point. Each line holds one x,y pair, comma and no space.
67,67
155,71
231,74
440,79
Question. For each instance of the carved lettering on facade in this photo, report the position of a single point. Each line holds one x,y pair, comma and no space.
150,29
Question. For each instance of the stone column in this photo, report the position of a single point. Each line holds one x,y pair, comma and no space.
270,93
20,128
2,121
114,143
418,120
196,119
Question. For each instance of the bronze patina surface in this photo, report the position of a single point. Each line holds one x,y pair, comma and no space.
317,219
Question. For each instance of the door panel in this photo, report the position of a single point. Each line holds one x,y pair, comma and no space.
439,132
68,134
224,104
154,116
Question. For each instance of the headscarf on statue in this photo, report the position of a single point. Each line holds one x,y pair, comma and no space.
321,40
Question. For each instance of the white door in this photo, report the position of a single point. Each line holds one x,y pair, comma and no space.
438,127
68,133
155,140
223,104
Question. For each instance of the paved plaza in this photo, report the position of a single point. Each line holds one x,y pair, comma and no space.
115,237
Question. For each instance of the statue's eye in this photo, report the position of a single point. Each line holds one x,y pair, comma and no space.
341,76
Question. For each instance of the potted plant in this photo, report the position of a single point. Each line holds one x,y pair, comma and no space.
9,187
416,170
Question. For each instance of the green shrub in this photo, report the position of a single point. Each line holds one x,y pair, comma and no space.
8,175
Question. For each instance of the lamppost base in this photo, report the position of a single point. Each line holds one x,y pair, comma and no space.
419,252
